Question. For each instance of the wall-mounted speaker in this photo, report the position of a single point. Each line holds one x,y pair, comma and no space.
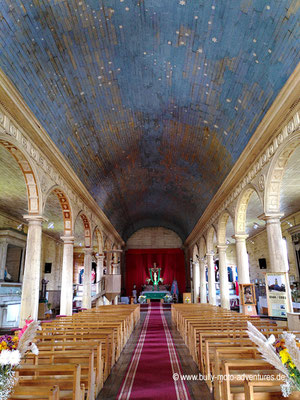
262,263
48,267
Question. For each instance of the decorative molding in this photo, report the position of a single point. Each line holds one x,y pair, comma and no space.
49,175
261,161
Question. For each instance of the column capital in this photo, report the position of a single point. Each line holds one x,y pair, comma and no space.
99,257
88,250
240,237
222,247
34,218
271,217
68,239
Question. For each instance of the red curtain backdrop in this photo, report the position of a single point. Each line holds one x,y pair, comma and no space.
138,262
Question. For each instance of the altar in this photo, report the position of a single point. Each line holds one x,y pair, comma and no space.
156,290
155,294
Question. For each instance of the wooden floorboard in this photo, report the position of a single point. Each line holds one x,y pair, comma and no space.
197,389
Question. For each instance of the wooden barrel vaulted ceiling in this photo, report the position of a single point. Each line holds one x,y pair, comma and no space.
150,101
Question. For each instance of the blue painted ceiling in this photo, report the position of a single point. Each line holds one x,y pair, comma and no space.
150,101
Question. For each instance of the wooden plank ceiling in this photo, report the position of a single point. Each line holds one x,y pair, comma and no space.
150,101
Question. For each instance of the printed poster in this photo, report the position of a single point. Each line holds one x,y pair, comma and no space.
276,284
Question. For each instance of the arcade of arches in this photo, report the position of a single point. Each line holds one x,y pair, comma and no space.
90,201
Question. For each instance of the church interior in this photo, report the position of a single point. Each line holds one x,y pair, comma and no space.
150,198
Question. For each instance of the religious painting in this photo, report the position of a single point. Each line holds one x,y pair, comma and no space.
247,294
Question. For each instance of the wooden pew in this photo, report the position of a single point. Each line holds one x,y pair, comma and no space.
266,390
233,389
90,341
36,393
105,338
84,358
66,377
76,347
219,343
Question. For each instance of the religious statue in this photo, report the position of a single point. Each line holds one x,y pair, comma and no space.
175,291
155,276
43,298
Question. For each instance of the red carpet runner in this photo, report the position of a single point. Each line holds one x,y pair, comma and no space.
154,361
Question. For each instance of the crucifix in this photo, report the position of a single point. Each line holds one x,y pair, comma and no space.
155,276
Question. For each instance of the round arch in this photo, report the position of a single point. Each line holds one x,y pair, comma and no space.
65,206
276,172
195,252
99,237
87,228
202,248
222,224
211,234
241,208
30,176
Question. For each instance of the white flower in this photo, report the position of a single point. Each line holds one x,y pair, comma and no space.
34,349
10,357
271,339
4,357
15,357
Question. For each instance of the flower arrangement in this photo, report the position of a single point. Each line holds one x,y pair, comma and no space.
167,298
283,354
12,349
187,300
148,280
142,299
161,280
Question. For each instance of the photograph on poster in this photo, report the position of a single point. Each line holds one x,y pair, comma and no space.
276,283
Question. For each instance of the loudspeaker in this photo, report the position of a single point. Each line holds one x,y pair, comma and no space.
262,263
48,267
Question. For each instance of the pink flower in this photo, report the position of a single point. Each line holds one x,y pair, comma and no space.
27,323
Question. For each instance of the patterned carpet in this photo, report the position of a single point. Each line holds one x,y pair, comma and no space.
153,363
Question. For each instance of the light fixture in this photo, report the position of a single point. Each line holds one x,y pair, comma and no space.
289,223
51,225
80,244
227,241
20,227
255,225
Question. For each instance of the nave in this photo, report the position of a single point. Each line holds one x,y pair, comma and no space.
154,367
149,199
182,352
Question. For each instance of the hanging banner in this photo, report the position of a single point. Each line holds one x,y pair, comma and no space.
276,285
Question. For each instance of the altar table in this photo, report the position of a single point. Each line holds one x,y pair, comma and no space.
155,294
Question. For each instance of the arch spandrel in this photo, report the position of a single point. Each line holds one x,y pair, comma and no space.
222,224
241,208
276,172
202,247
211,235
65,206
